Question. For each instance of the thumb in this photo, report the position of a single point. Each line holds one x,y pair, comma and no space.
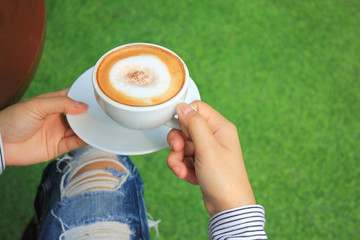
59,104
195,127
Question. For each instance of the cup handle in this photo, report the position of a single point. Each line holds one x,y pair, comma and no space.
173,123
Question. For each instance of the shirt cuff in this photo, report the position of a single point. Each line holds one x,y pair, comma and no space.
245,222
2,159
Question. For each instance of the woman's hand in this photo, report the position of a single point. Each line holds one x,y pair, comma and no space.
35,130
207,152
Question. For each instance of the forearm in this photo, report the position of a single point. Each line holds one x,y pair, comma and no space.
246,222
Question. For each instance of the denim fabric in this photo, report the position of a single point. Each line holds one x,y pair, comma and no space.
57,214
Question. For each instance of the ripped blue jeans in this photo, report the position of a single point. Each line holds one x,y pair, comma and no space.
90,194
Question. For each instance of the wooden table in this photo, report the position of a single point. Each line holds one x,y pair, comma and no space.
22,33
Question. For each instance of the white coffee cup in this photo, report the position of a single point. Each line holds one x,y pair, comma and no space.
146,117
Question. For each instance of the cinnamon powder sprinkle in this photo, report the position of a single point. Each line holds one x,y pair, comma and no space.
138,78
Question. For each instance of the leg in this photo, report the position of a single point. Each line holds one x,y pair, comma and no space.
93,195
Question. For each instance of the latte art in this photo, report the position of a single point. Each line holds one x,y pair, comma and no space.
140,75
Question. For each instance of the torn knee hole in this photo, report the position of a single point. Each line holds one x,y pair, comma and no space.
96,174
98,165
98,230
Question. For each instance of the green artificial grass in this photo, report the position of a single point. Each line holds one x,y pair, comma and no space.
285,72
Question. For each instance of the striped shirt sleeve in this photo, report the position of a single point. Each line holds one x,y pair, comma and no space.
245,223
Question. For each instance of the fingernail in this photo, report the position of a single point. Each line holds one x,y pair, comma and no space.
185,108
81,105
176,171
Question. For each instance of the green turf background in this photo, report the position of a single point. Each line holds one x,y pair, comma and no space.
285,72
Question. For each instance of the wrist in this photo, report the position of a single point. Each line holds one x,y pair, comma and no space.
231,196
226,205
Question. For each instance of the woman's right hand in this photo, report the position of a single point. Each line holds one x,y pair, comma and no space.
35,130
207,152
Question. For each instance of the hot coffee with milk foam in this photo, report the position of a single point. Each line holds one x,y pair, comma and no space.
140,75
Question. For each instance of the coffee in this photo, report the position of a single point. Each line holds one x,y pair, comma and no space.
140,75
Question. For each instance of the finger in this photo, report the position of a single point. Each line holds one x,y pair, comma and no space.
175,163
223,130
195,127
191,175
63,92
221,127
69,132
60,104
211,116
176,140
67,144
189,150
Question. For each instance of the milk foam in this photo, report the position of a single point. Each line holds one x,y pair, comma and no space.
142,76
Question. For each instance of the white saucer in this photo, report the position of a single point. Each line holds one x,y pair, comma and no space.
100,131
